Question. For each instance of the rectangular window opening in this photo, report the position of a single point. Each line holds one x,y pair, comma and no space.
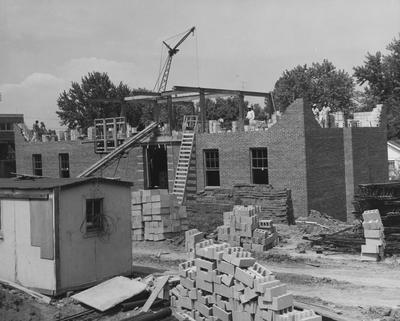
37,164
211,163
94,215
259,165
64,165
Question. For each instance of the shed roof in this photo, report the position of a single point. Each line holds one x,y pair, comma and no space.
48,183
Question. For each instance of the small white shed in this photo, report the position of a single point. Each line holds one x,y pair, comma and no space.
60,234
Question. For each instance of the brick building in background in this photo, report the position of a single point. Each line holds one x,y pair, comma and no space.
322,166
7,144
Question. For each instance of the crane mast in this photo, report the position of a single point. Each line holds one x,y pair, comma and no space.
162,79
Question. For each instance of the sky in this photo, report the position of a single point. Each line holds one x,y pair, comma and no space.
238,44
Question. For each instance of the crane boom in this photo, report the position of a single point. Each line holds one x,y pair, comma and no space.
162,79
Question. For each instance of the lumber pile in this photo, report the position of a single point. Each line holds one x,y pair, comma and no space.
384,197
349,240
373,248
276,205
226,283
242,227
156,215
206,208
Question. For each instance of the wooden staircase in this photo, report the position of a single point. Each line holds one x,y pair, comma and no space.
188,135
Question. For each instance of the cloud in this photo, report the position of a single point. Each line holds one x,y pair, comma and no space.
126,72
35,97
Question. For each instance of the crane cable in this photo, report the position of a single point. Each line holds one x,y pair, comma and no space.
197,61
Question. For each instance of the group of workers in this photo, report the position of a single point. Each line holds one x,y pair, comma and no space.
322,116
38,131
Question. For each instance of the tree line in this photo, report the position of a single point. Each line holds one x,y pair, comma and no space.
321,84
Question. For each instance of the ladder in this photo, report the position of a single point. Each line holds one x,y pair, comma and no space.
188,133
119,151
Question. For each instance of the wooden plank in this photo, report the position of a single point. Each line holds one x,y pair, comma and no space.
32,293
110,293
322,311
161,281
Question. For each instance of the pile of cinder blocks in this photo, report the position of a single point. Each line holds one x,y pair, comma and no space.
242,227
156,215
373,250
225,283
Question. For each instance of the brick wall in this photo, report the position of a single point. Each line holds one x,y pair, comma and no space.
131,166
286,155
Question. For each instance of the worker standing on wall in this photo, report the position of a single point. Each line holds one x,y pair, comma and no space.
250,116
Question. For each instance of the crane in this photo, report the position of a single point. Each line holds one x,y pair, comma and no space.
162,79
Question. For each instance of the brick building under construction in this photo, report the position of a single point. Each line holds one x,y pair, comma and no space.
321,166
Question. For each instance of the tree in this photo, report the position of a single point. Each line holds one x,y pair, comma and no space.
78,106
380,75
321,84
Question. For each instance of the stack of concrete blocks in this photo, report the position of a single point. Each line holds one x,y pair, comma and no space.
242,227
373,250
225,283
157,215
136,216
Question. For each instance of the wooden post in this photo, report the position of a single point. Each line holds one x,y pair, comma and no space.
156,111
203,115
241,113
170,114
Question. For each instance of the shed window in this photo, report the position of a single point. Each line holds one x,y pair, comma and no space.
211,162
64,165
94,214
37,164
259,165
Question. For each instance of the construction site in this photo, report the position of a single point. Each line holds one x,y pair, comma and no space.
288,219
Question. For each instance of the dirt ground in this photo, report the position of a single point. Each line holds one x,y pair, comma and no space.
342,283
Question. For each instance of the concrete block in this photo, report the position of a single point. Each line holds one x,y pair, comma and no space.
193,294
260,284
371,215
221,314
223,290
282,302
187,283
248,295
207,276
244,276
184,267
242,259
374,249
372,225
227,279
204,285
184,302
203,309
225,267
373,242
275,291
204,264
373,234
242,316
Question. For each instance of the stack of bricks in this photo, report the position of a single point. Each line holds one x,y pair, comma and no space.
242,227
225,283
156,215
373,249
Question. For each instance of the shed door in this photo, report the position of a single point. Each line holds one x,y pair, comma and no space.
35,265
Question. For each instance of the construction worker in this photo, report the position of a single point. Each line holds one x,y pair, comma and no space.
250,116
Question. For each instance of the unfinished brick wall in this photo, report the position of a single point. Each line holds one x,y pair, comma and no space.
81,155
286,155
322,166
